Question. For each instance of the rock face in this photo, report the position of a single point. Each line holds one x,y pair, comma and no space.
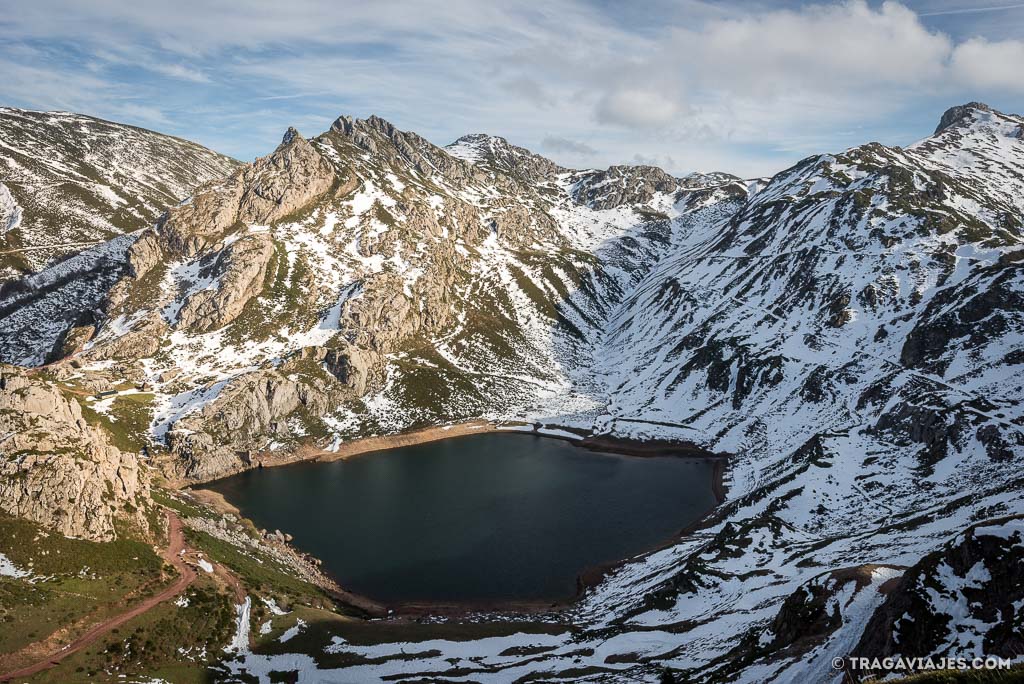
73,178
76,337
955,115
962,599
262,192
57,470
239,271
212,442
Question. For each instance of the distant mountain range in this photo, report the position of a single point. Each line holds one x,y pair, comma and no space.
851,331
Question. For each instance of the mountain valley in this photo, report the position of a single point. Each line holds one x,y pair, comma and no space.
845,336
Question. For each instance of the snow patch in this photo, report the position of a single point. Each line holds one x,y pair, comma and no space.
240,641
293,631
10,212
9,569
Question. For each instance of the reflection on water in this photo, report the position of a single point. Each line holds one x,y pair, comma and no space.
487,517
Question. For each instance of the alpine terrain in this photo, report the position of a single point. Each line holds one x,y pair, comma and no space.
847,334
68,179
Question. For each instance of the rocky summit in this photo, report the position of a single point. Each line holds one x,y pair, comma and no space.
848,331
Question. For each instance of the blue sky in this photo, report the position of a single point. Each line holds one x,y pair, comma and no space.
742,86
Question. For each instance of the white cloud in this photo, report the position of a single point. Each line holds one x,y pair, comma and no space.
820,47
562,145
702,83
989,65
638,107
791,78
841,62
179,71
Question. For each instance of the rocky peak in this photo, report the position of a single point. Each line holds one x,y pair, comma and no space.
348,125
262,192
978,149
383,139
955,115
498,154
344,124
622,184
365,132
293,148
381,124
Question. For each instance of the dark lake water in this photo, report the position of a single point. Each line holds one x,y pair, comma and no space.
489,517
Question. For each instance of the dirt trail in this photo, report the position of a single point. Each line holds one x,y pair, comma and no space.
186,575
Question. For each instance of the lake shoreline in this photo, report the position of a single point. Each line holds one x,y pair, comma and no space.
587,578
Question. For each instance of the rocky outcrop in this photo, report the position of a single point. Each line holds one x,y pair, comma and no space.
141,341
940,429
955,115
935,428
259,193
239,272
961,601
353,367
218,439
72,341
620,185
57,470
144,254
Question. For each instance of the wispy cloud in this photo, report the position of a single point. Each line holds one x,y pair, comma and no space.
971,10
179,71
559,144
293,96
747,87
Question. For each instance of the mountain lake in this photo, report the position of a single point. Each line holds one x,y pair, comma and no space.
479,519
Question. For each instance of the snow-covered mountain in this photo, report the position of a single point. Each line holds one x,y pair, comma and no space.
849,330
67,179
